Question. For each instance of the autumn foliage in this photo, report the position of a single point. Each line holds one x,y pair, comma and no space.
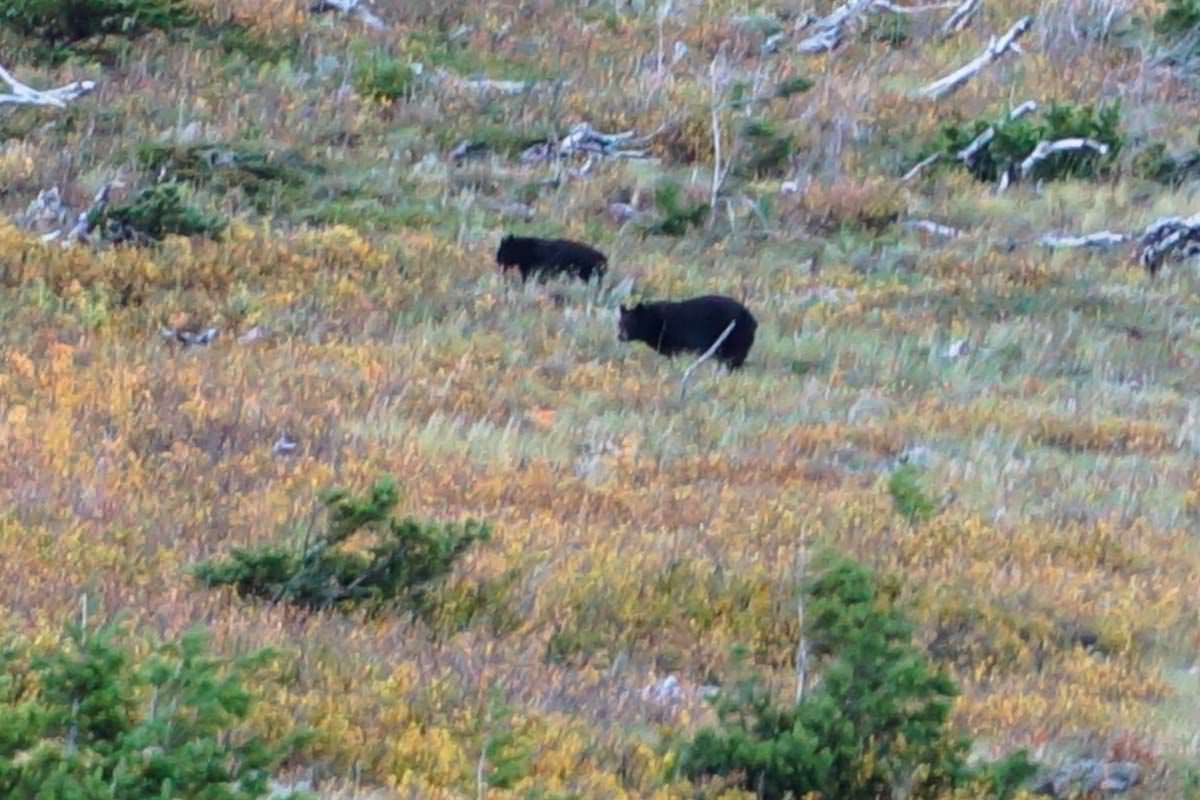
1006,431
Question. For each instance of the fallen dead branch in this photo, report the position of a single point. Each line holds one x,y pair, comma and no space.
189,338
485,85
687,373
354,7
1100,239
936,228
47,214
920,167
961,16
1170,237
1046,149
88,218
827,31
995,49
583,139
26,95
885,5
1167,238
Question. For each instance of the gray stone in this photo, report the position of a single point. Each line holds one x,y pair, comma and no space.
1084,777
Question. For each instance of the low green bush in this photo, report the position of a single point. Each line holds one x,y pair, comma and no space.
267,180
89,718
64,22
405,559
1015,139
910,499
155,212
675,214
384,78
874,725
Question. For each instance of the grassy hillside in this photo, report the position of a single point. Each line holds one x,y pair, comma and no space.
1046,397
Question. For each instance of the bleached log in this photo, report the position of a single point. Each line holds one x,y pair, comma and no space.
354,7
885,5
1027,107
86,220
26,95
1170,237
485,85
827,31
995,49
920,167
583,138
1101,239
1046,149
687,373
961,16
936,228
189,338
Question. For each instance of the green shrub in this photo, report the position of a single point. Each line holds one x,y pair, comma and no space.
504,759
766,149
254,46
910,499
1156,164
405,558
91,720
1015,139
874,726
384,78
266,179
1181,18
890,29
675,217
155,212
792,86
70,21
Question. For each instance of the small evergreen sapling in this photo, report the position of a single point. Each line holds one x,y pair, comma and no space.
89,719
874,726
405,558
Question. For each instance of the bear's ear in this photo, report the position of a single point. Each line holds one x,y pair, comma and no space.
624,310
507,238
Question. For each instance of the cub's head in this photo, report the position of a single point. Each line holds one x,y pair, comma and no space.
507,255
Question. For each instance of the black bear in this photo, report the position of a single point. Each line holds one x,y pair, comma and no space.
691,325
530,254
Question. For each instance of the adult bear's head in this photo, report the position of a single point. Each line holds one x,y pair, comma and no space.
634,323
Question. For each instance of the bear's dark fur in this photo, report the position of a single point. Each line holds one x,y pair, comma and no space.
691,325
532,255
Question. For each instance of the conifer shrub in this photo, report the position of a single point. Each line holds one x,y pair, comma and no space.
89,718
403,560
766,149
675,213
384,78
65,22
873,726
1015,140
266,179
1157,164
155,212
911,500
1179,19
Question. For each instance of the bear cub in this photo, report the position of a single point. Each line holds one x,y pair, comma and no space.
691,325
544,257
